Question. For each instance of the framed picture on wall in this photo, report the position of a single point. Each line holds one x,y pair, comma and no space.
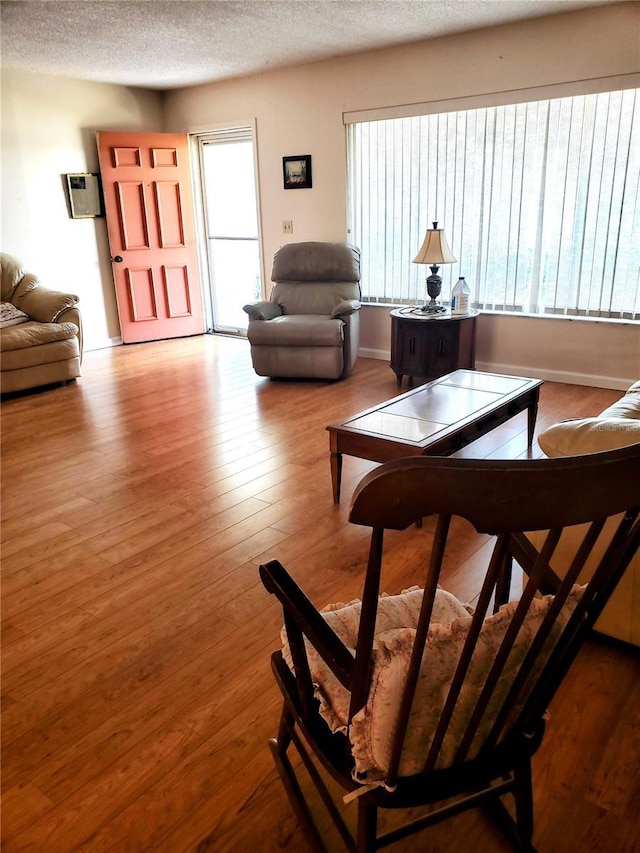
297,172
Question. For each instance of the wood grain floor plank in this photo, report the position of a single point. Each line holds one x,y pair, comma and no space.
163,596
19,527
203,679
23,805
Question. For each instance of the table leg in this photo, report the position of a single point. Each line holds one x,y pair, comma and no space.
532,414
336,475
336,466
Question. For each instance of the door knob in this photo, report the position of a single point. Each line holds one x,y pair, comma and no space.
118,259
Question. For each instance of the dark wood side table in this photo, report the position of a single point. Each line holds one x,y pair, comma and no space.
431,345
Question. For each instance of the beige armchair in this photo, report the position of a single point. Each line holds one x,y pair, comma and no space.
309,328
40,331
617,426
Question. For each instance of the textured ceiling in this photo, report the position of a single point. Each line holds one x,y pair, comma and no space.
163,45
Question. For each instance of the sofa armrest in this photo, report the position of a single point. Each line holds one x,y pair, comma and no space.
347,306
44,305
262,310
73,315
589,435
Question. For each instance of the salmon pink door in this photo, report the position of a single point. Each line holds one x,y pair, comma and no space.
147,192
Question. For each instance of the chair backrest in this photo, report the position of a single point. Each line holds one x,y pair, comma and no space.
504,669
469,687
314,277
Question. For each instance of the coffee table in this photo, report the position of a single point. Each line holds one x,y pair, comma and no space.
436,419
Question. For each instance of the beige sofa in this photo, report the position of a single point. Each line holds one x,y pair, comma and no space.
40,331
616,426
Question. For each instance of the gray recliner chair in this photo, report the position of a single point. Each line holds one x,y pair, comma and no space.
309,328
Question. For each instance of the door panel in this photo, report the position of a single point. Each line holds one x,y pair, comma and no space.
132,213
126,156
176,286
142,297
164,156
147,189
169,215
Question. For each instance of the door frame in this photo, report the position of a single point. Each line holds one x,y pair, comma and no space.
195,134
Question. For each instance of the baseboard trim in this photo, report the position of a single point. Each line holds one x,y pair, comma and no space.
379,354
106,343
615,383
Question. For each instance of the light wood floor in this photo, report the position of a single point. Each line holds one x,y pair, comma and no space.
137,696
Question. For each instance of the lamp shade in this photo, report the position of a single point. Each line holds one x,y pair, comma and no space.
434,249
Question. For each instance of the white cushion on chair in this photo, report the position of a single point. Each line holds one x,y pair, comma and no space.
372,727
395,612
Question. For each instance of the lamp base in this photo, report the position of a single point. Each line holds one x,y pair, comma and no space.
433,308
434,286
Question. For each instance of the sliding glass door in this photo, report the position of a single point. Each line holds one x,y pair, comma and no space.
231,225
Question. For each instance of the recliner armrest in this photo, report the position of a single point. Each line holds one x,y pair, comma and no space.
262,310
347,306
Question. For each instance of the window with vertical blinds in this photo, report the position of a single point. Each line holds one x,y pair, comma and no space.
539,201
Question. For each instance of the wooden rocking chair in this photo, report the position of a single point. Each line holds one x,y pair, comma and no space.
413,699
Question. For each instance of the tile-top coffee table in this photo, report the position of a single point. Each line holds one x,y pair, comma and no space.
436,419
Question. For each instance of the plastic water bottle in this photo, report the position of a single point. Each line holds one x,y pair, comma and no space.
460,298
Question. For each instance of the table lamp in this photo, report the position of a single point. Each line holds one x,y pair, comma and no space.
434,250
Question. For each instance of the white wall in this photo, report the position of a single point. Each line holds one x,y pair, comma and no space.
300,111
48,130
